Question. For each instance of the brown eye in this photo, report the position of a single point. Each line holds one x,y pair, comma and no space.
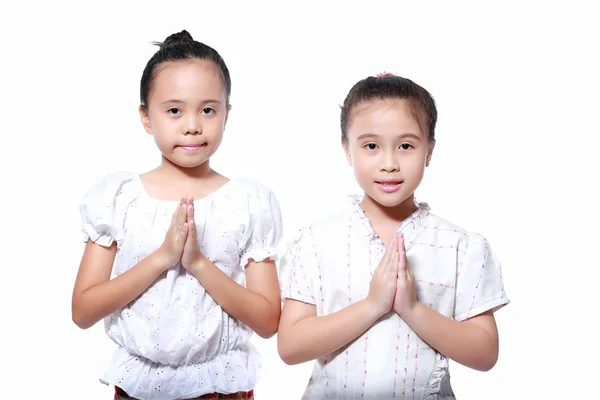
174,111
405,146
371,146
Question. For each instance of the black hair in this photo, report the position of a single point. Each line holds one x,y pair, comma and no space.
176,47
386,87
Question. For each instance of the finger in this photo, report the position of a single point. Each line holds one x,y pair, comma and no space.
190,220
183,212
191,206
185,231
394,248
401,255
391,251
409,272
175,215
386,256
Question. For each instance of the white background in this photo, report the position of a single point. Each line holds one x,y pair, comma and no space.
516,159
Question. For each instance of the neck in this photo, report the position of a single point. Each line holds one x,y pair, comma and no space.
175,171
398,213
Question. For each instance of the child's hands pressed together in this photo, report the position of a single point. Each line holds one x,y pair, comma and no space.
172,247
405,298
191,251
383,283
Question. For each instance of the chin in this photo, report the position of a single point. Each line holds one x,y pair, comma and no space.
187,163
192,165
388,200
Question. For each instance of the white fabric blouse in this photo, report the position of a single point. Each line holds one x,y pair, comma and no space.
330,264
174,341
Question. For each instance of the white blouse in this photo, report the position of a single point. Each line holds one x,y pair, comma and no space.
174,341
330,264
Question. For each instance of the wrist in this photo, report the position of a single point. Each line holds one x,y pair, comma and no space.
410,314
161,261
374,311
199,265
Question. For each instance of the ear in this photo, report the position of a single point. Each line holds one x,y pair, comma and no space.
430,148
347,151
226,115
145,120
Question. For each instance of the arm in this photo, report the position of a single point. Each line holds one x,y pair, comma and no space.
258,306
473,343
95,296
303,336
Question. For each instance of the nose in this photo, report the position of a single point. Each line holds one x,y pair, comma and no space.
389,162
192,125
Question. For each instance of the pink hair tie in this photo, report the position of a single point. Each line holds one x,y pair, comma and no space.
384,73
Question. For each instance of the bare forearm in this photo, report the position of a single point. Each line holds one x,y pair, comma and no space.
98,301
315,337
250,308
465,343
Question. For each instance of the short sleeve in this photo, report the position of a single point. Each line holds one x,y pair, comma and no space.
299,269
479,286
102,210
265,227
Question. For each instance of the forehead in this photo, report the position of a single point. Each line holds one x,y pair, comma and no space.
185,78
383,117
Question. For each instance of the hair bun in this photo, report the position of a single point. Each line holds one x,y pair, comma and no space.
180,37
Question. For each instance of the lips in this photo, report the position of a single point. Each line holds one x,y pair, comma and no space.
389,181
389,185
192,147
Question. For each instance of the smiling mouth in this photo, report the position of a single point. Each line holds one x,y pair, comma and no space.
389,182
389,186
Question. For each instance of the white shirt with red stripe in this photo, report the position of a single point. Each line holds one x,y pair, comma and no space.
330,264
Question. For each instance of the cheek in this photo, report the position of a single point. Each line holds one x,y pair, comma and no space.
158,122
414,166
363,165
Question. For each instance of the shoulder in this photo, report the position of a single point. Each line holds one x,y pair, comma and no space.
435,222
111,184
443,228
331,223
322,231
103,207
253,196
250,188
254,200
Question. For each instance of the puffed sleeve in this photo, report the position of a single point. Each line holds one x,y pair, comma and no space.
264,232
102,211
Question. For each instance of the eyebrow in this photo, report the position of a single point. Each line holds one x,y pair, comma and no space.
174,101
401,136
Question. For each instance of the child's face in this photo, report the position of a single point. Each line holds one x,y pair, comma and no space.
387,150
187,111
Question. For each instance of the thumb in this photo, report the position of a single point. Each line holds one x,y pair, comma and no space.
191,229
409,272
186,230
